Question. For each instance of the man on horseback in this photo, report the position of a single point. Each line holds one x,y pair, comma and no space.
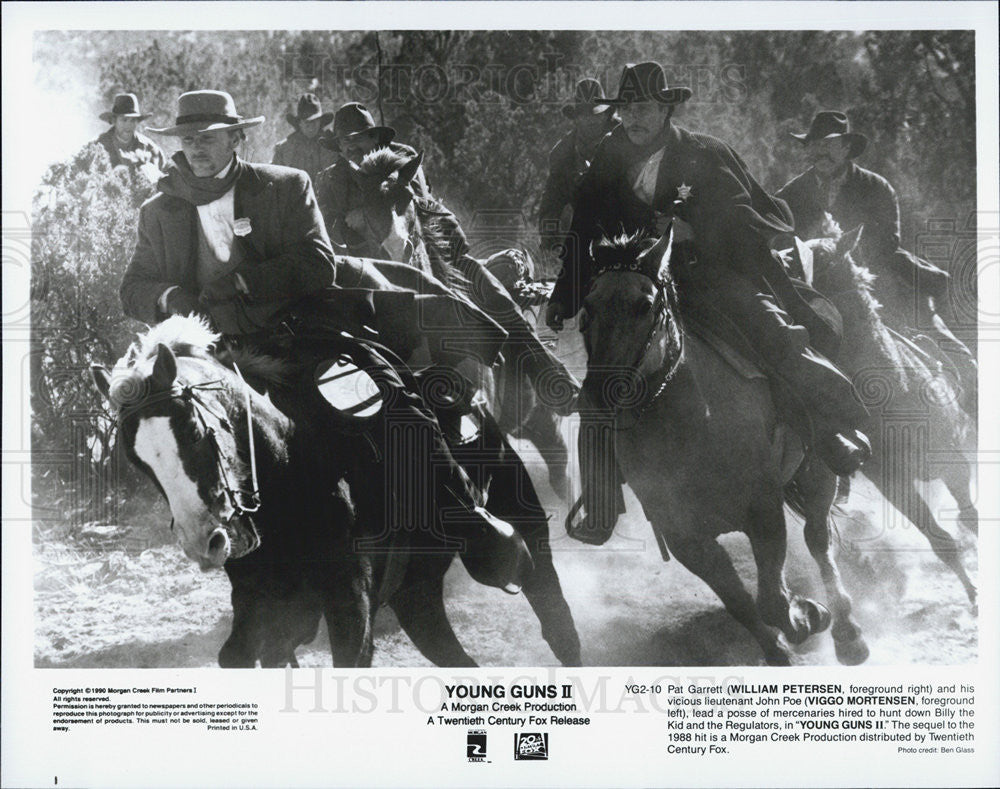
648,173
127,146
244,245
342,201
570,159
302,149
911,289
354,135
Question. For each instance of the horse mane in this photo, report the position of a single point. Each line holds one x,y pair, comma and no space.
191,336
622,252
615,251
380,164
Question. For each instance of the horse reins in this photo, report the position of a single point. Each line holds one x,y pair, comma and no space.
189,394
661,306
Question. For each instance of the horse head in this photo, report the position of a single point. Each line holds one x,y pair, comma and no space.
629,328
386,200
834,266
183,420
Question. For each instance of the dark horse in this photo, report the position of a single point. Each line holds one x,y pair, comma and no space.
916,407
701,446
251,489
424,234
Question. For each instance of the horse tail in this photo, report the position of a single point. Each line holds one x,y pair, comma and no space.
795,498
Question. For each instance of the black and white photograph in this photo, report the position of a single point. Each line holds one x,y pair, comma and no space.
489,343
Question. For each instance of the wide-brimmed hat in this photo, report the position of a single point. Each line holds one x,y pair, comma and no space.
588,99
206,110
351,120
125,105
309,109
647,82
831,124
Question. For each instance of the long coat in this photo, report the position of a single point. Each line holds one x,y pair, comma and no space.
288,261
733,218
287,254
567,166
303,153
864,198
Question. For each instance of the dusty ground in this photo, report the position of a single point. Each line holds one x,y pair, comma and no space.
106,608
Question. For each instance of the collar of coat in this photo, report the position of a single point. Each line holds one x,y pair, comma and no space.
252,182
849,174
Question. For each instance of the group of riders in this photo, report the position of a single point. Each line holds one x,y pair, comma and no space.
269,254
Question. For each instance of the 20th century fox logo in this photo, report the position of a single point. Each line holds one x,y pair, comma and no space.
531,746
475,745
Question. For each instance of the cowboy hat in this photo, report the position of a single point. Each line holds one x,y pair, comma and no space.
351,120
647,82
125,105
588,99
309,109
830,124
206,110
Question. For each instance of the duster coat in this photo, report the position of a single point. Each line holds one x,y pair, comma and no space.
288,262
734,220
303,153
864,198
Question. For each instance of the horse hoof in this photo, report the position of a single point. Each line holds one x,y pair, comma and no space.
853,652
806,618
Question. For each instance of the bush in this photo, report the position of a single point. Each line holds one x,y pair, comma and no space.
84,218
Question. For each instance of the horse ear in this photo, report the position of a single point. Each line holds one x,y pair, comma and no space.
164,368
848,242
805,256
102,380
409,170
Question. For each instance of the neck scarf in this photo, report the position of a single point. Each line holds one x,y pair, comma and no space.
180,181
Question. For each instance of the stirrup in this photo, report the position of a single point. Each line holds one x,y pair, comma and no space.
583,530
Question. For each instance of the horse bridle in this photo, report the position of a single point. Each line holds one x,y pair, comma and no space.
244,502
661,304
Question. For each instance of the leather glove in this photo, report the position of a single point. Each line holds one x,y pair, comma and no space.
183,302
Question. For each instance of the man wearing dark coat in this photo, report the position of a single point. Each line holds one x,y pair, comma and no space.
244,245
125,145
354,135
302,149
910,288
570,159
648,171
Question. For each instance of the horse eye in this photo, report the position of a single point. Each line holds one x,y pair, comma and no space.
643,307
189,435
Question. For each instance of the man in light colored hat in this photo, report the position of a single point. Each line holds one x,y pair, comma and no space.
244,245
853,196
124,144
649,171
354,135
570,159
302,148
